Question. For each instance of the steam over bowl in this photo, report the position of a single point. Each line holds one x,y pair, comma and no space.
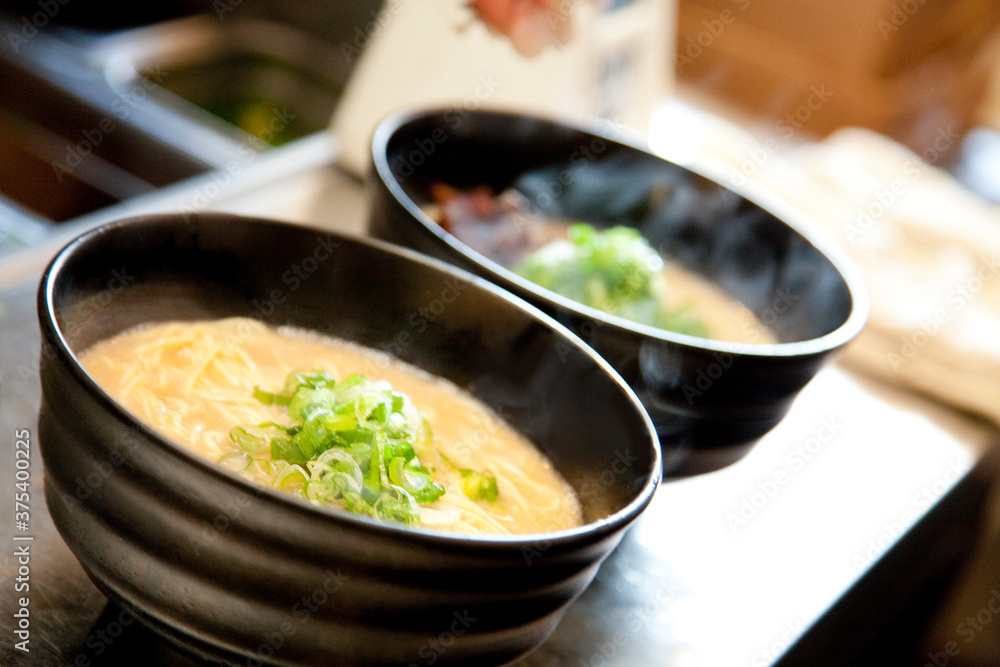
709,400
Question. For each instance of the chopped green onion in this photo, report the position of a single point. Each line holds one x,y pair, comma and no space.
285,450
293,478
615,270
263,466
480,486
269,398
403,510
352,443
476,485
321,489
235,461
251,439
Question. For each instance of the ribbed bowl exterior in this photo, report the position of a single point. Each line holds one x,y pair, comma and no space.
232,572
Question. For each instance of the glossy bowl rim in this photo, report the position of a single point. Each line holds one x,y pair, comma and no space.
848,330
619,520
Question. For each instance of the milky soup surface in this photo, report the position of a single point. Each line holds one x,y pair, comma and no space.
197,381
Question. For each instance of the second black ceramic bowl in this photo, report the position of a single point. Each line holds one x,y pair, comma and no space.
247,575
710,400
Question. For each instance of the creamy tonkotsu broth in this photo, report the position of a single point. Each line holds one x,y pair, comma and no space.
725,318
195,381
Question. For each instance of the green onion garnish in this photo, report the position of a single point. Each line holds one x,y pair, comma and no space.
352,444
235,461
476,485
615,270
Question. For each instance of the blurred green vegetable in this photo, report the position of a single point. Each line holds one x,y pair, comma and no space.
476,485
351,444
614,270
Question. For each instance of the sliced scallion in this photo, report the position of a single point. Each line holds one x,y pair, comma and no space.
235,461
351,443
476,485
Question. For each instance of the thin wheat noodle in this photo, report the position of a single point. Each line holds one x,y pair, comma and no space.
194,381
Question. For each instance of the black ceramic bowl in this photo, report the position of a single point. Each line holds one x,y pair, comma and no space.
709,400
234,572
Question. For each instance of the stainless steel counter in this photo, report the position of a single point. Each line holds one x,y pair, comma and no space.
842,518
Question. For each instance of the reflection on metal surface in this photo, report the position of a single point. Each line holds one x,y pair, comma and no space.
62,156
243,80
728,568
89,121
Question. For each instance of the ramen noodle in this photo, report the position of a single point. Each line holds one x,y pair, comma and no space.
230,390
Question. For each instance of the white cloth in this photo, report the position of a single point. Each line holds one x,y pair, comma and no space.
927,249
